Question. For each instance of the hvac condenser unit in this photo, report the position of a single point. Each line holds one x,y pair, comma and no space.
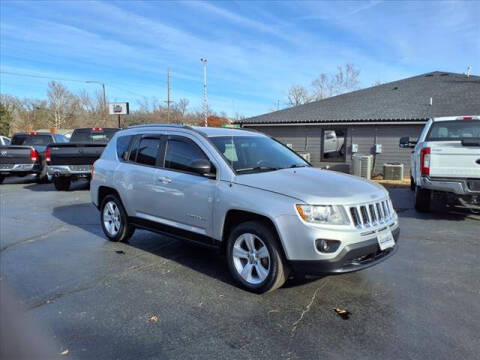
393,171
362,165
306,156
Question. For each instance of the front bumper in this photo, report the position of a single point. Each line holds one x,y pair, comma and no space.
353,257
452,185
69,170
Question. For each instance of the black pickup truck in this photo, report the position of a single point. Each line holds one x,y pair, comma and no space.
26,154
73,160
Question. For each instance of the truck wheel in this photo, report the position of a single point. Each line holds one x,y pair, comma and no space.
412,183
422,199
61,183
114,220
2,178
255,258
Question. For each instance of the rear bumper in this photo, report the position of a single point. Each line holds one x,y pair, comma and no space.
67,170
13,169
452,185
353,257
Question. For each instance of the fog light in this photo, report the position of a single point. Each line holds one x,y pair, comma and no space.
327,246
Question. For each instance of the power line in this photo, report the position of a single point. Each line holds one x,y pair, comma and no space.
40,77
63,79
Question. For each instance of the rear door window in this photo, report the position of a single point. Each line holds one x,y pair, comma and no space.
148,151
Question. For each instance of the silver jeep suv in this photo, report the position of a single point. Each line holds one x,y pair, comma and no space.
243,192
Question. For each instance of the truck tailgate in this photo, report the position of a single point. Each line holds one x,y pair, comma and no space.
75,154
14,154
452,159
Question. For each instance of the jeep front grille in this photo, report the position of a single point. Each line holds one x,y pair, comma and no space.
371,215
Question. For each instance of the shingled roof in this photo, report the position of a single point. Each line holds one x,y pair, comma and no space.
402,100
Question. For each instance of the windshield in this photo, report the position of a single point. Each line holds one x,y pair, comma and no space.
454,130
102,136
31,140
248,154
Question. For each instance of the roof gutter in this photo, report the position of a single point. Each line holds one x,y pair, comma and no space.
419,122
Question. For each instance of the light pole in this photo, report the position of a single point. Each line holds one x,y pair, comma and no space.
205,105
104,99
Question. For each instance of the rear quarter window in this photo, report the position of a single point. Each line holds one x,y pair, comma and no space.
123,145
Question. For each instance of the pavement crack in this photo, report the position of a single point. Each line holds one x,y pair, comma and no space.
307,308
34,238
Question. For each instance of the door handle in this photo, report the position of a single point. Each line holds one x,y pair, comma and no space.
165,180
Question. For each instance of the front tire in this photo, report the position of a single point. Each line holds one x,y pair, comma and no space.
422,199
412,183
2,177
114,220
255,258
62,183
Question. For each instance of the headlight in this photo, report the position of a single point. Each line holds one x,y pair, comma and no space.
323,214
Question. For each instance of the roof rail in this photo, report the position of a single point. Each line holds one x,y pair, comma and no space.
159,125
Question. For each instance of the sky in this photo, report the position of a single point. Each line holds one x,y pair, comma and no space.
255,50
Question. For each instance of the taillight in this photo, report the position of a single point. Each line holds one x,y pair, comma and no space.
34,155
425,161
97,129
32,133
47,155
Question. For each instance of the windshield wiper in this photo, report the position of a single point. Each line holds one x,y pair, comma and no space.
297,166
258,168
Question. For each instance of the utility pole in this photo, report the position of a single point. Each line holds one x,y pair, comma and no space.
168,96
205,104
104,99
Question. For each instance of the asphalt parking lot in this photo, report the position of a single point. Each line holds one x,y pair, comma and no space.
96,299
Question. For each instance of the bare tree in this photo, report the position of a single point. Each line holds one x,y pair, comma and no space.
182,106
344,80
63,104
297,95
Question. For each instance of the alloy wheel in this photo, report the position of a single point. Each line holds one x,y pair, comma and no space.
112,218
251,258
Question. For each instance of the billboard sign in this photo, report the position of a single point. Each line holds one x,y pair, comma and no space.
118,108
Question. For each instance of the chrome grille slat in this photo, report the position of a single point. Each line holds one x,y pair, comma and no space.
372,214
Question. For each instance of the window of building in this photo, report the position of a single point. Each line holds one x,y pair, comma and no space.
334,145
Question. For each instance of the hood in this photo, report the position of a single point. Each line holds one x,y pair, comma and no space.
315,186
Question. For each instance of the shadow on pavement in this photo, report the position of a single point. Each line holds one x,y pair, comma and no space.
199,258
76,185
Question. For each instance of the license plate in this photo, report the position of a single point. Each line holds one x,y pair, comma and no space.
385,240
80,167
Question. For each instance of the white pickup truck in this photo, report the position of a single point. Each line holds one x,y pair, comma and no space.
445,162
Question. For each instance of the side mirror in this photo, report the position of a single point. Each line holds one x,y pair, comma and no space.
203,167
406,142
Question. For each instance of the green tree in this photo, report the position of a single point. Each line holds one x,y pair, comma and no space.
5,120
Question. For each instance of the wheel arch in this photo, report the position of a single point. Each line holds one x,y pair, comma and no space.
234,217
104,191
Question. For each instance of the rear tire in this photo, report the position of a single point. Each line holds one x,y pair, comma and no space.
2,177
114,220
62,183
255,258
422,199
